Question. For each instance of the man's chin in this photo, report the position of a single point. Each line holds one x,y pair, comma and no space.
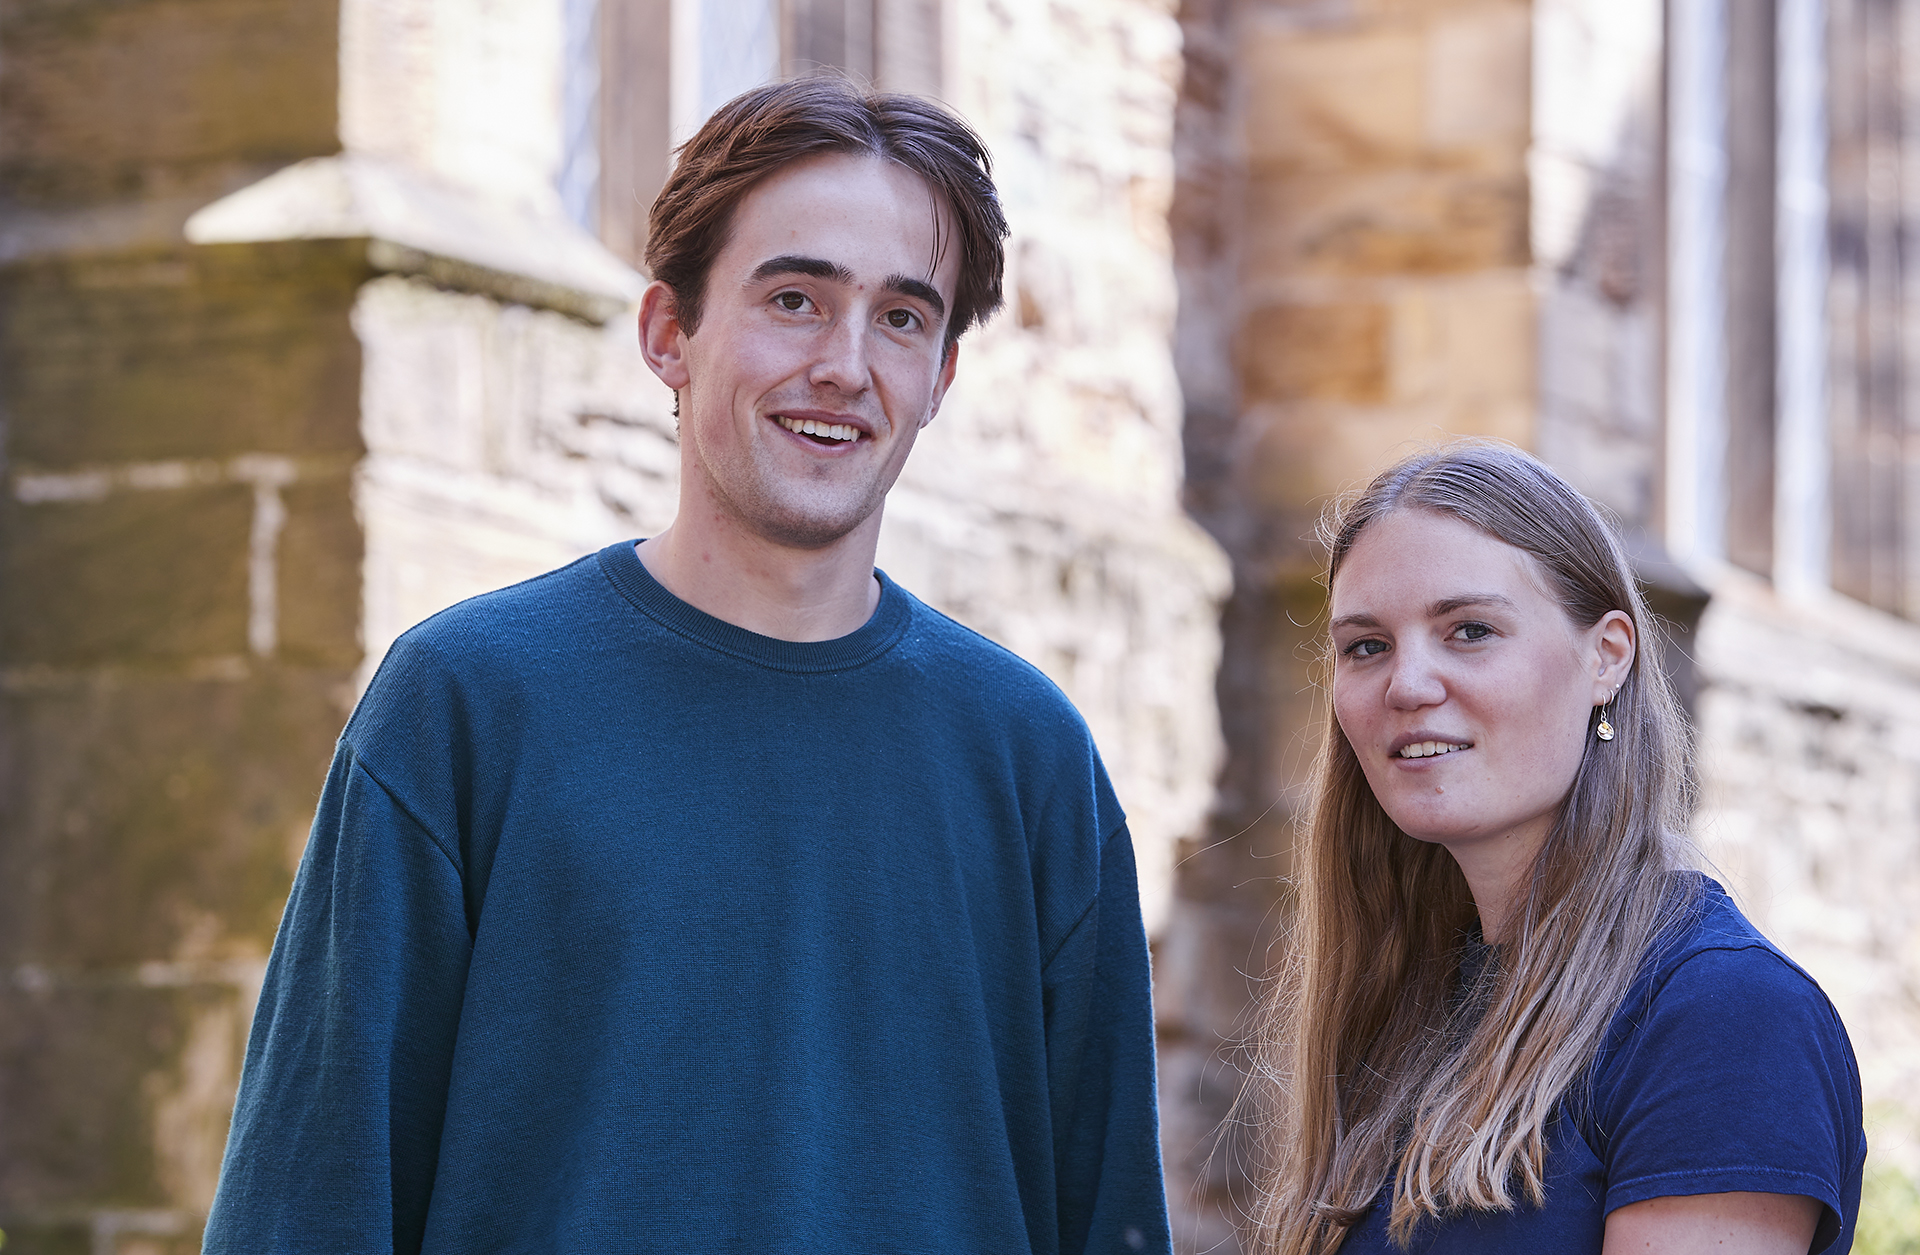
813,529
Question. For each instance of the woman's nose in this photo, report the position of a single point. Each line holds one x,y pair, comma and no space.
1415,682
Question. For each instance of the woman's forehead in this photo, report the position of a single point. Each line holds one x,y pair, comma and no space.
1418,558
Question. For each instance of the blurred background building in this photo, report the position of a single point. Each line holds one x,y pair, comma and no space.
315,316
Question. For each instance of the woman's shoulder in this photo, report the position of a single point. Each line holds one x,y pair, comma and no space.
1727,1070
1712,951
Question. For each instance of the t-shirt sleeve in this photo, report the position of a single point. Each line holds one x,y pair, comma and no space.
336,1129
1112,1196
1739,1077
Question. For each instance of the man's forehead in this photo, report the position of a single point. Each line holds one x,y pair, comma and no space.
861,213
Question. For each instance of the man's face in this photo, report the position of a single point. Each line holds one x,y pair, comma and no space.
819,354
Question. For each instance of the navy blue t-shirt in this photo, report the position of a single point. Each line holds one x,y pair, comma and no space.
1726,1069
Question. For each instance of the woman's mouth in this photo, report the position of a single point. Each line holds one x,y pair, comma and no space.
1432,749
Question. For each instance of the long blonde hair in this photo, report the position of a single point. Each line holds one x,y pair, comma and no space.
1372,1060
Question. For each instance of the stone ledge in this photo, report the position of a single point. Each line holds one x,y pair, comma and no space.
417,225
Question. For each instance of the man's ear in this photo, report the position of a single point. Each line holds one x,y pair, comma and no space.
944,381
662,341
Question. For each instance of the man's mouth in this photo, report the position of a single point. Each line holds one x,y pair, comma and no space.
822,433
1428,749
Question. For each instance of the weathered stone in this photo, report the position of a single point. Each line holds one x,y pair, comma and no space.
58,1237
1334,98
196,353
156,817
1810,782
138,577
1331,351
318,566
108,100
90,1079
1385,222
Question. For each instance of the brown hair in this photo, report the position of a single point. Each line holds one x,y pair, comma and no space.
758,132
1372,1060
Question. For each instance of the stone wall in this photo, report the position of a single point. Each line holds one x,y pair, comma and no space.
1352,234
179,567
386,379
1810,775
179,637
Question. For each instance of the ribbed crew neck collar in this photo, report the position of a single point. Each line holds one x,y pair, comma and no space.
876,636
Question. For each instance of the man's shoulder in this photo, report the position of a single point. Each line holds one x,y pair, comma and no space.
498,642
503,618
981,669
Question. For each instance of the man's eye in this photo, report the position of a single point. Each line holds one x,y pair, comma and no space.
901,319
792,302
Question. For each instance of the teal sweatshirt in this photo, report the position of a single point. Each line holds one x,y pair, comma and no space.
625,929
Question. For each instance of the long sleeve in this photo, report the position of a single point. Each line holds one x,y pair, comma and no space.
336,1130
1101,1072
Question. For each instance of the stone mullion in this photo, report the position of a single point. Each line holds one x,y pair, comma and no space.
1866,418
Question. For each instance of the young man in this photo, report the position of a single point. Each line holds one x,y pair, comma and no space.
711,893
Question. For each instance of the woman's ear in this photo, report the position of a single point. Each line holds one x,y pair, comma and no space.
662,340
1614,645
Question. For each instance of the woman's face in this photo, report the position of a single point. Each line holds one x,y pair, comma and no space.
1462,686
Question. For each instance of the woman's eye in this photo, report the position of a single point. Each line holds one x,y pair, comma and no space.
900,319
1473,631
792,302
1365,648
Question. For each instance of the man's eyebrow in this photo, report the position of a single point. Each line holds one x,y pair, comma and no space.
833,271
794,264
919,289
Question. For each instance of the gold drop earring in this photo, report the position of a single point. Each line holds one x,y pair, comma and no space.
1604,729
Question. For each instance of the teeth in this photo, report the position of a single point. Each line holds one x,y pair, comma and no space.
808,427
1427,749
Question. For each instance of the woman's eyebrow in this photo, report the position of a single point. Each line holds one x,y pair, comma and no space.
1447,605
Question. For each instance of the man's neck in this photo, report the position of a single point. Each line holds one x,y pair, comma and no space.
789,594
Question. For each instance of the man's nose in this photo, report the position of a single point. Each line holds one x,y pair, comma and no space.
841,361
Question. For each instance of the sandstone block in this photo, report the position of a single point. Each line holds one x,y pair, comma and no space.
317,572
1479,78
1334,99
199,352
1468,346
85,1073
139,576
1385,221
43,1237
149,817
106,100
1331,351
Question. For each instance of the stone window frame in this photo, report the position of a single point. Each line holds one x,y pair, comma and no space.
642,74
1793,412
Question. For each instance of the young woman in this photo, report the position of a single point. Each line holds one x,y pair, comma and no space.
1513,1020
